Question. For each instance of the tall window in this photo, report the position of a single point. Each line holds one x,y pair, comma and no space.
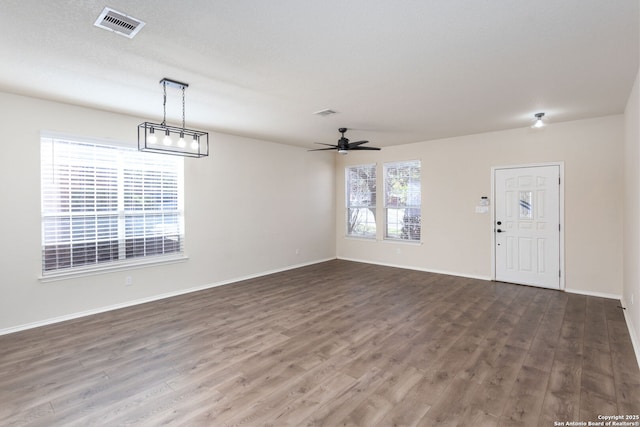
106,204
402,200
361,201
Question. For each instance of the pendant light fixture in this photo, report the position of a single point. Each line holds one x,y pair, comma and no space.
165,139
538,120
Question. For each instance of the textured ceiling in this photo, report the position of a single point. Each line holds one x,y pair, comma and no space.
395,71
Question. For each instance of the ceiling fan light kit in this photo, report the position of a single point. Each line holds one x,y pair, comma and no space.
178,141
344,146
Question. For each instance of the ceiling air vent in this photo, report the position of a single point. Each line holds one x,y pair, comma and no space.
119,23
326,112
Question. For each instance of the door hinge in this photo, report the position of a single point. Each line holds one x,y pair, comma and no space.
558,227
558,180
559,273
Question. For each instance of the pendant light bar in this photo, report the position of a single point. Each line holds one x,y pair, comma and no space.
173,141
165,139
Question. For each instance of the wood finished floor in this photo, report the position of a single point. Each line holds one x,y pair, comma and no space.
332,344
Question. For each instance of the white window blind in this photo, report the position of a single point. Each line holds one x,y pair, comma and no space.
106,204
402,200
361,201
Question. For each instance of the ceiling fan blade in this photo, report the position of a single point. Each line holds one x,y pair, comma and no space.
355,144
344,145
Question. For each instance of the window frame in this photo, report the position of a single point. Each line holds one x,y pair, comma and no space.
370,207
125,152
415,204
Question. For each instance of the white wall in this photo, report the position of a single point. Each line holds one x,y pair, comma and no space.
457,172
631,291
287,199
248,208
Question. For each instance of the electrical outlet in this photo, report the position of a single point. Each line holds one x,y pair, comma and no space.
297,251
128,280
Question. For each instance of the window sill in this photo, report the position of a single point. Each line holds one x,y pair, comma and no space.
385,240
361,238
403,241
112,267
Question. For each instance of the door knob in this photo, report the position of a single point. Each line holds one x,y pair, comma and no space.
500,231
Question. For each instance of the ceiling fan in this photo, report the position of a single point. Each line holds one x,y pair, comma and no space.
344,146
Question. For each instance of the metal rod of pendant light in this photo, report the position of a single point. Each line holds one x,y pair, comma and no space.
181,142
164,103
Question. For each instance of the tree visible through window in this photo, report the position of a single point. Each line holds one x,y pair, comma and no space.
402,200
361,201
106,204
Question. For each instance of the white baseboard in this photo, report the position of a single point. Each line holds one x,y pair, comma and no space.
125,304
633,334
594,294
488,278
427,270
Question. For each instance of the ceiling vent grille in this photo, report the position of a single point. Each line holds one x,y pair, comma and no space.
119,23
326,112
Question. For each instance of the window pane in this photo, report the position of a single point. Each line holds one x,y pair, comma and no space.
362,222
361,201
152,234
402,199
526,203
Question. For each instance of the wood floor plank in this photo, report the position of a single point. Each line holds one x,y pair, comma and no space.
496,389
525,399
335,343
338,408
625,369
167,409
270,406
455,407
482,362
293,413
544,344
562,398
407,413
384,398
524,331
596,334
109,413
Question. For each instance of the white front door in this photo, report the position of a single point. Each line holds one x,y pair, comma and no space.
527,225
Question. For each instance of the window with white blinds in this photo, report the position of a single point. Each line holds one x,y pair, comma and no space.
402,200
361,201
105,204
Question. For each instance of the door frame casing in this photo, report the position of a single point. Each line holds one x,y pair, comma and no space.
561,215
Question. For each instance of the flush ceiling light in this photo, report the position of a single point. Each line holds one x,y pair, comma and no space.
538,120
173,138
